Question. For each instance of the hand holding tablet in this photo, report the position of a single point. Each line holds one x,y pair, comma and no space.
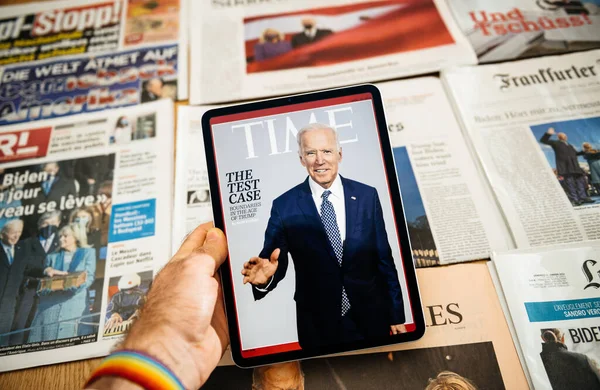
319,259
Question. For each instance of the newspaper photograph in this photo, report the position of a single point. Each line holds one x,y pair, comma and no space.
61,58
450,212
516,29
552,295
266,49
467,340
534,126
81,202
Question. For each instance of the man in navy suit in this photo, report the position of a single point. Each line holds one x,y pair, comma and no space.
13,262
347,286
567,166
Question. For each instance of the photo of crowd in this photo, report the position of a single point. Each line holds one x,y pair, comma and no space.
332,35
572,149
126,296
423,246
126,131
53,236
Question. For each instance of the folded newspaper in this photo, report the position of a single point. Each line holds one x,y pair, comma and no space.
249,49
82,200
450,212
512,29
449,208
535,126
552,294
62,58
467,342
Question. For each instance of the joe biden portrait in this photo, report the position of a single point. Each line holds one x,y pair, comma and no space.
347,286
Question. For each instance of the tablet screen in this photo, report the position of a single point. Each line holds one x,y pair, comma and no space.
314,247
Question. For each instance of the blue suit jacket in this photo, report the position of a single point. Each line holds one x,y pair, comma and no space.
368,272
54,309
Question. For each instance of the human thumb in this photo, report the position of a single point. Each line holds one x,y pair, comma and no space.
275,255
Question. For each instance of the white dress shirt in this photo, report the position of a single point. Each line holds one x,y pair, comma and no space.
336,198
311,33
47,242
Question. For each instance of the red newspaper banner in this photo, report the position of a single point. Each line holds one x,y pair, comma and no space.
24,144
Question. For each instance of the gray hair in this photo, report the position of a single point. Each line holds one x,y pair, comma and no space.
11,224
48,215
315,126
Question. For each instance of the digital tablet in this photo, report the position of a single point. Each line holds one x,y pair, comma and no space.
305,189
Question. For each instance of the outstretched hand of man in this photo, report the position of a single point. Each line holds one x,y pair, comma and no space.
258,271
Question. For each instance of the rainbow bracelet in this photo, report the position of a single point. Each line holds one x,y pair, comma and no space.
138,368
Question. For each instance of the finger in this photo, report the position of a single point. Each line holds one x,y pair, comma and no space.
246,280
245,272
275,255
394,330
194,240
208,257
254,260
215,246
249,265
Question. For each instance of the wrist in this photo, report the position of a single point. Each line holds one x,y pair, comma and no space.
164,344
112,382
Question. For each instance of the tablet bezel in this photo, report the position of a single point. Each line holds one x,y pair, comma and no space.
397,207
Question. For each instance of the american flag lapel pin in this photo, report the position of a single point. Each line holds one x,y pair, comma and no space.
353,197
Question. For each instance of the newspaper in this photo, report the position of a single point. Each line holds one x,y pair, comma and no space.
192,205
552,296
534,125
446,200
449,210
61,58
82,200
466,335
249,49
511,29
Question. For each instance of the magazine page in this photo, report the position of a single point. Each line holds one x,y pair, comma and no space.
249,49
466,339
552,295
534,125
61,58
451,215
82,200
512,29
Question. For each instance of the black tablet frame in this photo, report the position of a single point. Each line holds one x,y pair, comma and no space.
400,220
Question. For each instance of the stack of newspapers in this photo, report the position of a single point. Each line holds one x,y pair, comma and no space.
498,167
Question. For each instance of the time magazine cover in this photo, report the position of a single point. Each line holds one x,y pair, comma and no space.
309,218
